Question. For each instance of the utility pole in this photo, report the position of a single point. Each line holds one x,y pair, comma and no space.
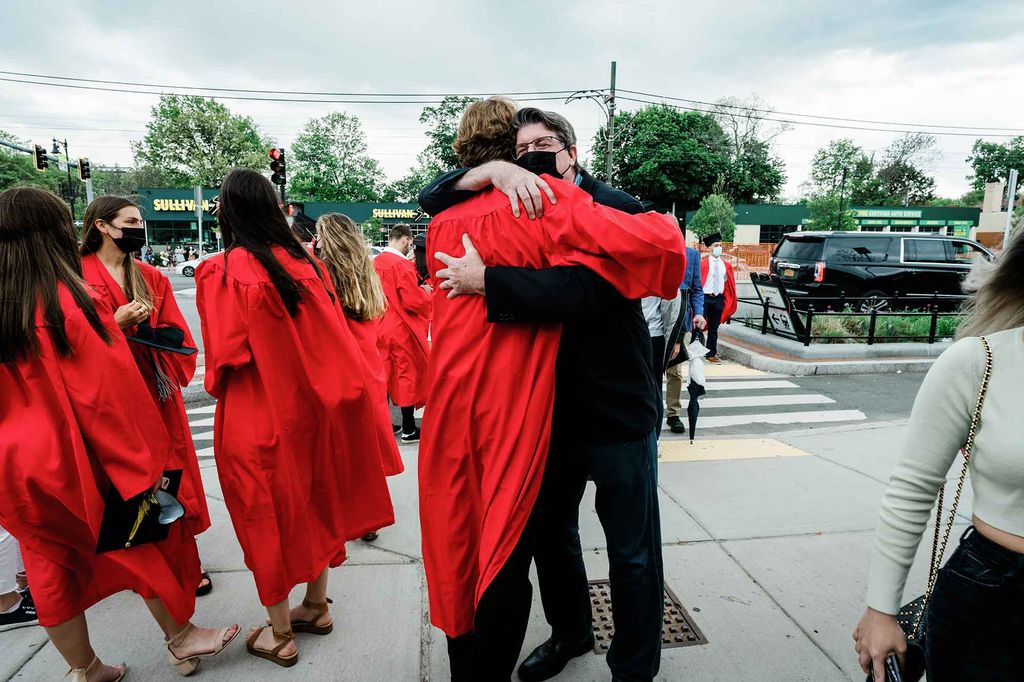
1011,194
67,166
611,128
842,190
198,193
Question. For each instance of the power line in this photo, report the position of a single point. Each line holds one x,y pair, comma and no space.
163,86
827,118
828,125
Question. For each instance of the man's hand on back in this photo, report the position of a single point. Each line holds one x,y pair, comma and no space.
512,181
462,275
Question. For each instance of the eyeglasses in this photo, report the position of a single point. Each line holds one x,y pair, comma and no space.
545,143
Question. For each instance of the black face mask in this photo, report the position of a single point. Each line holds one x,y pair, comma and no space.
132,239
540,163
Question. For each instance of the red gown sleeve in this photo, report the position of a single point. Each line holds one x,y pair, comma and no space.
119,423
411,296
730,293
224,318
646,251
181,368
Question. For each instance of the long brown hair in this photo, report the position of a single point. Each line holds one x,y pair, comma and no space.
106,208
38,250
998,301
251,218
342,248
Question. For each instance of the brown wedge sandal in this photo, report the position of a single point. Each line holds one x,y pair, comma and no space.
274,654
310,626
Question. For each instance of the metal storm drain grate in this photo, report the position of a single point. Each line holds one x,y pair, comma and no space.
678,629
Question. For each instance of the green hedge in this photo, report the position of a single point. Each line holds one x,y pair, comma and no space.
826,328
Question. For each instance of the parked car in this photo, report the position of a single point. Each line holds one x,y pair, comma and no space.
188,268
872,267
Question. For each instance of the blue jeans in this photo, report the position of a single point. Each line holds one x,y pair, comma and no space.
976,614
626,477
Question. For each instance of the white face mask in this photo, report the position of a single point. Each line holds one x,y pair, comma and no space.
717,252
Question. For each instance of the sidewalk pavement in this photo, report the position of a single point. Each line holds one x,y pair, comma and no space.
768,554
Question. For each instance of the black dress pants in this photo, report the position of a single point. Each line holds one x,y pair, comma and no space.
658,354
626,477
714,306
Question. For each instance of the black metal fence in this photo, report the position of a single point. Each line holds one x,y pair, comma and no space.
781,318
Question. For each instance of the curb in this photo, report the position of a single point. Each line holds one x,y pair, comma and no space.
751,357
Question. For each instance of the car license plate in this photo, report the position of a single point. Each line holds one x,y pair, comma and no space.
789,272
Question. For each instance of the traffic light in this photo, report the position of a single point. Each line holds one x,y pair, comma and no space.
39,155
84,172
277,166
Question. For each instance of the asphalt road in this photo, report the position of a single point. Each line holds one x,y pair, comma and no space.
184,293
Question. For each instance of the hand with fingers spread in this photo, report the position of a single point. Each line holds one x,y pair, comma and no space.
878,636
518,185
463,275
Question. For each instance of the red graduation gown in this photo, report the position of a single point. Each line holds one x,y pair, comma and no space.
69,427
299,468
179,368
367,336
729,291
487,423
403,331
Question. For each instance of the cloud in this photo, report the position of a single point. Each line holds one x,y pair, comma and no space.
942,62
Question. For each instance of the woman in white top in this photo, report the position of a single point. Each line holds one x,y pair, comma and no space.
975,624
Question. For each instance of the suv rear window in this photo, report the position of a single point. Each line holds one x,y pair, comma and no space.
925,251
800,249
852,250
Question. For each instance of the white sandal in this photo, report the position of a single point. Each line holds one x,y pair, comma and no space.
82,674
187,666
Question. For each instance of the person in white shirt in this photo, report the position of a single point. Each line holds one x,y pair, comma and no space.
719,292
975,616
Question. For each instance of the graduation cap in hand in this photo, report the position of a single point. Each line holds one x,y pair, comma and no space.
142,519
169,339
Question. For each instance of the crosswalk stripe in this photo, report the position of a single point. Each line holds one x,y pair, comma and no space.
205,453
766,401
748,385
201,422
205,409
205,435
822,416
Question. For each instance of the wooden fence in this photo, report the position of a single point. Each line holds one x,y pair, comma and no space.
746,256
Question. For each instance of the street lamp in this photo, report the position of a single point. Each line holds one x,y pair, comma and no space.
67,165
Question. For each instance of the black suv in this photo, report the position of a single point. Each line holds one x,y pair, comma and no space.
872,267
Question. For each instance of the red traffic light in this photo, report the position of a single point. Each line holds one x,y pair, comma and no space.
276,153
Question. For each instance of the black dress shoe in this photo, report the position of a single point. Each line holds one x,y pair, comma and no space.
675,424
550,658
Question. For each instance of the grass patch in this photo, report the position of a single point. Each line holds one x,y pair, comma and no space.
902,328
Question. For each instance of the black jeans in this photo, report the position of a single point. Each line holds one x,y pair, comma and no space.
714,306
626,476
658,354
490,652
976,615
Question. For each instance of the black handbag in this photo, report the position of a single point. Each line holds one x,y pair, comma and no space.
914,614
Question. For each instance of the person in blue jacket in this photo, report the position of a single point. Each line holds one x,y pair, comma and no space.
693,316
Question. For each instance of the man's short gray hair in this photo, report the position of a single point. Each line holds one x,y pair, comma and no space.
556,123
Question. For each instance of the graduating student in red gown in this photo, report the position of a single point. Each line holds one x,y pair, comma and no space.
403,331
341,246
297,455
139,293
74,421
487,425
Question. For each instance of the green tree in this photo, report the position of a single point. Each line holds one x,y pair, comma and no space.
196,140
756,174
991,161
665,155
902,183
442,124
17,169
331,164
407,188
841,166
715,214
825,214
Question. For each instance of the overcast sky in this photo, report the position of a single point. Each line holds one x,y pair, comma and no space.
936,62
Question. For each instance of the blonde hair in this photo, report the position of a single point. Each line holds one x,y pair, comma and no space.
343,250
998,288
485,132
